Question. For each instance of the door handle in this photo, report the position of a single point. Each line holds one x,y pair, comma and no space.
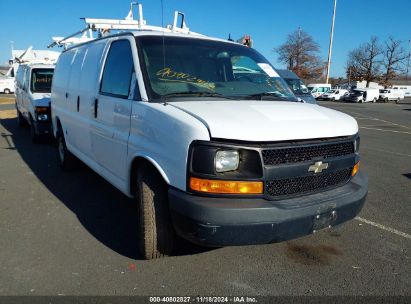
95,107
78,103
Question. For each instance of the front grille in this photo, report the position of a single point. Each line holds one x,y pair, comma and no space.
299,185
305,153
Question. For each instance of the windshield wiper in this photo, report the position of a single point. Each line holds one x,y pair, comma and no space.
196,94
268,94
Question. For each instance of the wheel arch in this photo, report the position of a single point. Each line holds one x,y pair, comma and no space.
143,160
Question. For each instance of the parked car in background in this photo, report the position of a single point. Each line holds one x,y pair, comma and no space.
6,85
391,94
333,95
33,89
317,89
363,95
297,86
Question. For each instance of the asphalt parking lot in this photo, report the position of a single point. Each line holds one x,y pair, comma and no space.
74,234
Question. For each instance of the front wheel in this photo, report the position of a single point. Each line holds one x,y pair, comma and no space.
155,231
374,100
35,137
20,119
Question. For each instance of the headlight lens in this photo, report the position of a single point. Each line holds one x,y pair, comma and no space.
42,117
357,145
226,161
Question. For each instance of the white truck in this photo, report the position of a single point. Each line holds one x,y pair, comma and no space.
6,85
214,157
391,94
33,87
363,95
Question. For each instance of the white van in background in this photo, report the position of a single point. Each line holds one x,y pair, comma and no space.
333,95
6,85
391,94
363,95
317,89
33,88
405,88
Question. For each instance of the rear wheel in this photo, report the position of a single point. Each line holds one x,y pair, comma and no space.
67,160
7,91
386,99
156,233
398,100
374,100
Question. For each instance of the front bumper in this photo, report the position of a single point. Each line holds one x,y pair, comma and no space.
43,128
237,221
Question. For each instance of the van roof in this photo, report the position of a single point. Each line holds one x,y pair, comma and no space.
287,74
38,65
159,33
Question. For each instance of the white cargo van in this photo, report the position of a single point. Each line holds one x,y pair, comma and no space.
406,89
33,87
318,89
207,154
6,85
391,94
363,95
333,95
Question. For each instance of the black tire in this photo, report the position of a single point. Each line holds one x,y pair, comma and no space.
333,99
67,160
7,91
20,119
374,100
35,137
386,99
156,234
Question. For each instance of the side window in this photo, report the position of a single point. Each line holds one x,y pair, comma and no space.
26,79
118,70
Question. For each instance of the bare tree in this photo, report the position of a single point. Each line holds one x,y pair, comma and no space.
394,59
300,53
364,62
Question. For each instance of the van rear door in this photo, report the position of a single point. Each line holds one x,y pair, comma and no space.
112,109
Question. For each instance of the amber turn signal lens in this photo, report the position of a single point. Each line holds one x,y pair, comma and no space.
41,109
355,169
224,186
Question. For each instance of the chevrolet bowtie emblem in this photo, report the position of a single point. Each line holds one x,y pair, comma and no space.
318,167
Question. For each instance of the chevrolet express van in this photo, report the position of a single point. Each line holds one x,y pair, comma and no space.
33,87
206,152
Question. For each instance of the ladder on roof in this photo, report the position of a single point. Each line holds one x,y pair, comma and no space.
103,27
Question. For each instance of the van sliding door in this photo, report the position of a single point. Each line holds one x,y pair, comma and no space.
112,109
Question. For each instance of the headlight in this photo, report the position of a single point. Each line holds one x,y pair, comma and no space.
226,161
357,145
42,117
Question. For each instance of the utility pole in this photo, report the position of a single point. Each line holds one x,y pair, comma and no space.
408,62
331,43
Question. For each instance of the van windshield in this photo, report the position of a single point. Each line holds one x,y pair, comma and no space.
188,67
41,80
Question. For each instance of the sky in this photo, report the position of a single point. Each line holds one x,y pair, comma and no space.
34,22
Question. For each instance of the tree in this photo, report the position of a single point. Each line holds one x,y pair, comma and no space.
300,53
394,59
364,62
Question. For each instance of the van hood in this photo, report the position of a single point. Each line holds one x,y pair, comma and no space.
268,120
41,99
